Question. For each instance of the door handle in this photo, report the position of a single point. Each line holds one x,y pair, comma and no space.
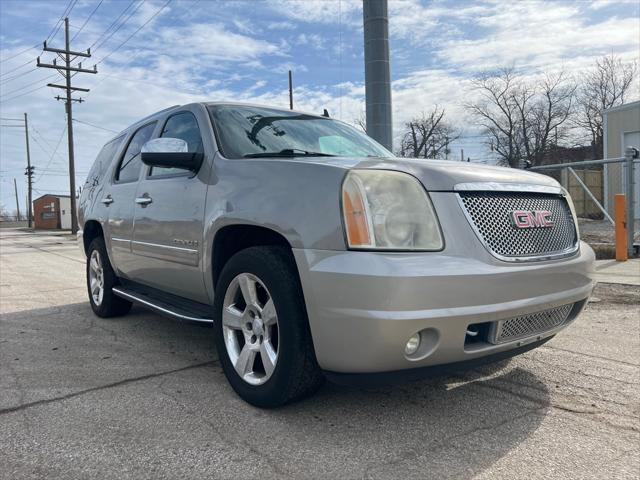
144,200
107,200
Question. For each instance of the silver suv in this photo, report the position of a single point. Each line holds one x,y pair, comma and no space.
315,253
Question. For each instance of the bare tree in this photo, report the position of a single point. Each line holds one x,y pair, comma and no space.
544,111
4,213
428,136
361,122
607,84
520,118
496,111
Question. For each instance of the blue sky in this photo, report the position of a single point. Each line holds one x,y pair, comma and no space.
241,50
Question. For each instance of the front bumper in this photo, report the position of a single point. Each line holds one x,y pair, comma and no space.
364,306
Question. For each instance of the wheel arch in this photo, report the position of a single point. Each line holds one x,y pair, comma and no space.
91,230
230,239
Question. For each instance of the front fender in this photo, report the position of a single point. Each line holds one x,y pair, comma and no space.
300,200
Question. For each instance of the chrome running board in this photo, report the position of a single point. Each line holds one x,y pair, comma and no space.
187,311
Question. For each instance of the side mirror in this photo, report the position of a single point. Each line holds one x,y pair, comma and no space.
170,153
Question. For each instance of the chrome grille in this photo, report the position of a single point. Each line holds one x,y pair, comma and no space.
490,215
528,325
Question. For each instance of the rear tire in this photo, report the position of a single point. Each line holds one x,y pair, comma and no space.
272,325
100,282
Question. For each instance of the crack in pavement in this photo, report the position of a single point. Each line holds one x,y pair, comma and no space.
119,383
613,360
185,408
57,254
438,445
565,408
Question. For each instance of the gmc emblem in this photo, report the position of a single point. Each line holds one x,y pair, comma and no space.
531,219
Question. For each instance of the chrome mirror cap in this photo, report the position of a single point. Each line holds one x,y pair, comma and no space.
165,145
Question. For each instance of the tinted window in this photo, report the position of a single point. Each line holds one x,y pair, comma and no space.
185,127
245,131
104,159
129,168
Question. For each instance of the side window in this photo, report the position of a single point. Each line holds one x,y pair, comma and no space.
104,158
129,168
185,127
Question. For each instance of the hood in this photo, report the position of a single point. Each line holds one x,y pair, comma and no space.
443,175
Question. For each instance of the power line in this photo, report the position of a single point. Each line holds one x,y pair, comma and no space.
29,84
52,33
94,126
2,74
54,152
19,75
111,74
87,20
137,30
37,142
35,130
22,94
35,47
99,39
65,14
112,24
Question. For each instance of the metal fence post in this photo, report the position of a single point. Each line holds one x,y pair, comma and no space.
629,154
564,180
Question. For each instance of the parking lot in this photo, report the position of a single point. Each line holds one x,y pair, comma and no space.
143,396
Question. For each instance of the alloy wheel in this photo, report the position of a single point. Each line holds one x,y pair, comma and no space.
250,328
96,278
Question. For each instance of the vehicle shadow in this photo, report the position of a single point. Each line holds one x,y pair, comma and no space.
453,426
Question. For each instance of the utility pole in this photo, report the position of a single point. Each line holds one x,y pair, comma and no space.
290,91
28,171
446,148
65,71
377,71
462,154
15,187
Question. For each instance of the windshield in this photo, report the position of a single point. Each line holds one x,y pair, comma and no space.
252,132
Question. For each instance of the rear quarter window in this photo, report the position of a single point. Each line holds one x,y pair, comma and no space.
102,161
130,165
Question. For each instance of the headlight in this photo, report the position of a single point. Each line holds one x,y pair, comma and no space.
388,210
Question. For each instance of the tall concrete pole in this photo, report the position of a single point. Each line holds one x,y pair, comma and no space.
377,71
290,91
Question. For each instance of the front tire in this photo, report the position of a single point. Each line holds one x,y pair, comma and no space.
262,332
100,281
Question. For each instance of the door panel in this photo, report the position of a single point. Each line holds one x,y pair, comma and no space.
168,230
184,256
119,199
120,225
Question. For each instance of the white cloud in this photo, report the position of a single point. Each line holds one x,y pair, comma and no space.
214,42
313,40
526,34
320,11
281,26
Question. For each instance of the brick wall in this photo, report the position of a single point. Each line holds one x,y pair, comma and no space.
46,212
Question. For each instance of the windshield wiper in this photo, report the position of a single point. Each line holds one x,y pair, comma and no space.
288,152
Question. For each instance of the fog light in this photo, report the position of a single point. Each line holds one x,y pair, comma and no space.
412,344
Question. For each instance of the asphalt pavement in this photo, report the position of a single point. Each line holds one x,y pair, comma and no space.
143,396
